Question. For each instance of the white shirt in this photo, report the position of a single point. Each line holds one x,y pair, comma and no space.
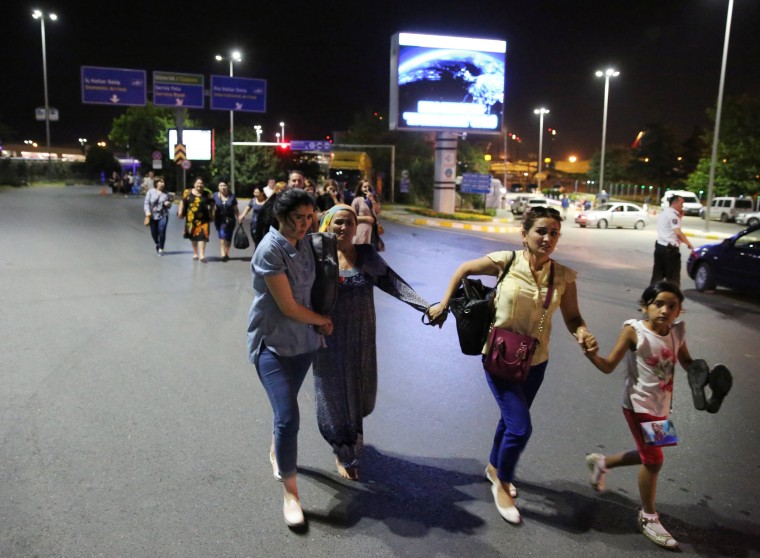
668,221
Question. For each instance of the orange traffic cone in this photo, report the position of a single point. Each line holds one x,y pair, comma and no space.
103,190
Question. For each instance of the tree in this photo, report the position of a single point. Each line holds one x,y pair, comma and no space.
142,130
253,165
737,171
100,160
654,158
617,162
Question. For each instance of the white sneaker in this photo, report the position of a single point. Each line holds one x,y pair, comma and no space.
655,532
595,462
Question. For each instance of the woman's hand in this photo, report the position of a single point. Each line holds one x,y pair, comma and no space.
587,341
437,314
325,329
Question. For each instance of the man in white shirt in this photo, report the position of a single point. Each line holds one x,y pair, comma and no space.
667,254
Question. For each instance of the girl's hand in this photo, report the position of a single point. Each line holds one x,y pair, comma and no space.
587,341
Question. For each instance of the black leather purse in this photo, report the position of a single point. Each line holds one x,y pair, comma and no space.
473,307
324,292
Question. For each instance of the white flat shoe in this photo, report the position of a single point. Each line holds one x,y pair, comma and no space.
509,512
493,480
291,511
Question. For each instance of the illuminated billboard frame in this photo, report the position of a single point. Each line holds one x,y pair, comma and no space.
441,83
197,144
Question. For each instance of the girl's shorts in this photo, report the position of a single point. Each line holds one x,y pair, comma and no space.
650,455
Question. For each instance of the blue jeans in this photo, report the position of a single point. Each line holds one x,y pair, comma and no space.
158,231
282,378
514,428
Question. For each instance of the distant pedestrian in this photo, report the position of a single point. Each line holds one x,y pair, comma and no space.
225,218
367,208
156,206
196,206
667,253
565,206
254,207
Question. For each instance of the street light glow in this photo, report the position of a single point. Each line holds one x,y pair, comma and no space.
234,57
610,72
540,112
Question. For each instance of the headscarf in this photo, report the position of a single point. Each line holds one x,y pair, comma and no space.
324,224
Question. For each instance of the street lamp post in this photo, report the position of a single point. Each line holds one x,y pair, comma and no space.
258,133
234,57
608,73
38,14
716,132
540,112
282,131
277,136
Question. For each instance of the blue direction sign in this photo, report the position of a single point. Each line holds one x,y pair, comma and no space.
238,94
113,86
474,183
171,89
310,145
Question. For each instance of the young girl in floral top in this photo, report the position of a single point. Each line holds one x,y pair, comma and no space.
651,348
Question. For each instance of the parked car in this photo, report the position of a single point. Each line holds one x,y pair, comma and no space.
750,219
614,215
691,204
726,208
733,263
519,204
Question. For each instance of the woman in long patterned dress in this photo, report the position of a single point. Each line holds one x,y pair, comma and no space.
196,207
345,372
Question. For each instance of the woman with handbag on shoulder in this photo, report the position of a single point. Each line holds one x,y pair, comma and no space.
225,218
532,279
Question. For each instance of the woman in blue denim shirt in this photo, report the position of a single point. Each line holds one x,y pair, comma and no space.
283,332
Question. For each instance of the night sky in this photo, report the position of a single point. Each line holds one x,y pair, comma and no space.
325,61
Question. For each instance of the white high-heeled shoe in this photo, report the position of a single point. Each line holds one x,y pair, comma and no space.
494,479
509,512
291,511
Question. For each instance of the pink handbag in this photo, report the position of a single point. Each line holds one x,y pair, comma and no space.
509,354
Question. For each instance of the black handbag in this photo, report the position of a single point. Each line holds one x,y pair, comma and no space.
473,309
324,292
240,240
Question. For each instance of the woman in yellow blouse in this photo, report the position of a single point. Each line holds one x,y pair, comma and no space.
519,306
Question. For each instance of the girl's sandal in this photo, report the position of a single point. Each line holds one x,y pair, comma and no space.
720,384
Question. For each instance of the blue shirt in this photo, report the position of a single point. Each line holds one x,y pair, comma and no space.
266,323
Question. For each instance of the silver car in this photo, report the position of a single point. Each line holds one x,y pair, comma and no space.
614,215
750,218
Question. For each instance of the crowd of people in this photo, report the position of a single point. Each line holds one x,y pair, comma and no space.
286,337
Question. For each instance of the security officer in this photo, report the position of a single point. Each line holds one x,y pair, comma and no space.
667,255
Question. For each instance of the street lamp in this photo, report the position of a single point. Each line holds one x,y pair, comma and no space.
540,112
258,133
716,132
282,130
277,136
39,14
234,57
608,73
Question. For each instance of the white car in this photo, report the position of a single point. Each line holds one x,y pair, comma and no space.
750,218
614,215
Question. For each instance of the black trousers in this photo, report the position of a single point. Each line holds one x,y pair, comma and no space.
667,264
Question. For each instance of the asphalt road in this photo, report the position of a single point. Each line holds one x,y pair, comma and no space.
131,423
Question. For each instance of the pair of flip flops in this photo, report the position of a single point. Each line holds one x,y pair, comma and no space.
719,379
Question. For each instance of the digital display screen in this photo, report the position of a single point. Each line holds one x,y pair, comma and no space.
441,83
197,144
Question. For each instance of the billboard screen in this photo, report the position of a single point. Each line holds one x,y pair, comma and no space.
441,83
197,143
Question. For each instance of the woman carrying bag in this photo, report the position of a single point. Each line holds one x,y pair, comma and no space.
519,307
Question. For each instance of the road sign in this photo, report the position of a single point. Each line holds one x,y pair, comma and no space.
180,153
39,114
404,186
474,183
156,155
171,89
186,164
310,145
113,86
238,94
